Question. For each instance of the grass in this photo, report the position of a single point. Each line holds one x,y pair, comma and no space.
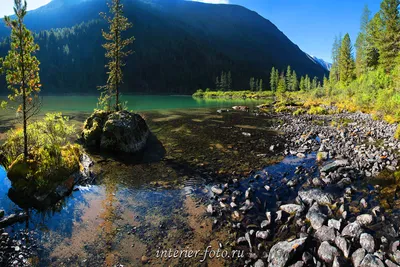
233,94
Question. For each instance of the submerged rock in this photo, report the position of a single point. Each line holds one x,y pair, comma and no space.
321,197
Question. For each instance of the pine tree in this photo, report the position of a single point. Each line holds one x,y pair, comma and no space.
115,47
281,84
302,84
346,63
335,71
361,43
273,81
295,82
217,84
289,78
229,80
373,32
22,69
260,87
307,82
389,43
223,81
252,84
314,83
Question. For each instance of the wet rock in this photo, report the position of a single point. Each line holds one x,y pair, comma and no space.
344,245
358,256
297,264
364,203
335,165
390,263
284,251
321,197
263,234
352,230
327,253
316,217
367,242
1,213
13,218
291,208
210,209
365,219
325,233
371,261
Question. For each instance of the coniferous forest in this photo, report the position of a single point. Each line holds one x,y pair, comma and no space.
181,133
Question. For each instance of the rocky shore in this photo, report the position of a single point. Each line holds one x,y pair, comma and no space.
323,211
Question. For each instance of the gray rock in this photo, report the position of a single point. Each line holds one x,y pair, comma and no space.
217,190
325,233
263,234
259,263
367,242
371,261
321,197
327,253
344,245
335,165
124,131
352,230
339,262
365,219
291,208
210,209
316,217
335,224
358,256
284,251
390,263
297,264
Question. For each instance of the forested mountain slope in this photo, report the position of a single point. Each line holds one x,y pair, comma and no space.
180,46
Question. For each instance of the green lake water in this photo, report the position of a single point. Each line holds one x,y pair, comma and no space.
67,104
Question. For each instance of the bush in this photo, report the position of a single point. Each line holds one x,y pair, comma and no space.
299,111
317,110
51,156
397,133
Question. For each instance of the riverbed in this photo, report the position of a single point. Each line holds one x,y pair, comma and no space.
196,157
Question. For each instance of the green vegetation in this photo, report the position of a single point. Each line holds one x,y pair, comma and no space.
115,53
299,111
51,157
224,82
317,110
22,70
233,94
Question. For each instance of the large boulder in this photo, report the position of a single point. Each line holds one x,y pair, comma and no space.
120,131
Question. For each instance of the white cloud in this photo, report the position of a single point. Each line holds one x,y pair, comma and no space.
213,1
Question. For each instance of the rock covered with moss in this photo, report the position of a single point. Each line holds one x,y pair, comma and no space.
121,131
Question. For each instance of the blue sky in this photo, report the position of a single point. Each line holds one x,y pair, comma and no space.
311,24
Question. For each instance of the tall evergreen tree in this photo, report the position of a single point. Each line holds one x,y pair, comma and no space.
261,86
217,84
346,63
115,52
223,81
295,82
289,78
229,80
389,43
281,84
335,71
252,84
302,84
373,32
273,80
22,69
361,43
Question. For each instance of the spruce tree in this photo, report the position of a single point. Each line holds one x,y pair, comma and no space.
22,69
273,82
115,52
373,33
260,88
252,84
389,43
295,82
281,84
346,63
229,80
361,43
217,84
335,71
223,81
302,84
289,78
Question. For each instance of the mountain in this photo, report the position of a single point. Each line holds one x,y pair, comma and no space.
180,46
322,62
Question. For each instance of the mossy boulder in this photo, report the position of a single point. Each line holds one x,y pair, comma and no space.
93,128
121,131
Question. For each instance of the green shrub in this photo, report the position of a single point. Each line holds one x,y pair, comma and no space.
299,111
317,110
397,133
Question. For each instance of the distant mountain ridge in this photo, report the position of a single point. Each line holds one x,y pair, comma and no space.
180,46
322,62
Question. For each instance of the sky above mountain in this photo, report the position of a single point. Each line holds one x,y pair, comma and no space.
311,24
